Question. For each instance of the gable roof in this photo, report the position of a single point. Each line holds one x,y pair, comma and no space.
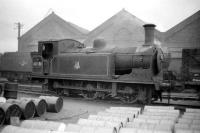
53,26
182,25
118,21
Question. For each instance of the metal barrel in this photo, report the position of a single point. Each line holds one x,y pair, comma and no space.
43,125
135,109
15,129
73,128
10,111
118,119
182,130
87,129
192,110
2,100
128,130
159,107
132,114
2,116
100,123
27,107
10,90
129,117
104,130
40,105
54,104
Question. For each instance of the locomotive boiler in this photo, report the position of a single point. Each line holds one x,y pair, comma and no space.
128,74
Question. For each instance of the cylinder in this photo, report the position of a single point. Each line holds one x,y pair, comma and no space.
160,107
2,100
147,131
104,130
15,129
2,86
134,125
27,107
11,110
187,121
164,127
87,129
139,120
2,116
162,111
115,125
54,104
128,130
11,90
149,126
40,105
132,113
73,128
129,109
100,123
149,34
86,122
192,110
128,117
121,120
184,131
43,125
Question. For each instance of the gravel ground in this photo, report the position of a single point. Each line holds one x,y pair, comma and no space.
75,108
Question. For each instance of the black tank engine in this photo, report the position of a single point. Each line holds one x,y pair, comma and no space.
68,67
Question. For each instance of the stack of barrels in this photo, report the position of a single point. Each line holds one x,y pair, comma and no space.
109,121
154,119
26,108
189,122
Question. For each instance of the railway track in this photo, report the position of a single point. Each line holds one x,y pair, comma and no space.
179,103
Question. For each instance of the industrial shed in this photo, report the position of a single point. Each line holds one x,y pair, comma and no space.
183,35
121,30
51,27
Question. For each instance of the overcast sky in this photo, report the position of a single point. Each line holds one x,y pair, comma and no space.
88,14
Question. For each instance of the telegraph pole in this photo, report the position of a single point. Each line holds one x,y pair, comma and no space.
19,27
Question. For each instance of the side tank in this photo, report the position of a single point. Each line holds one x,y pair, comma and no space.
148,56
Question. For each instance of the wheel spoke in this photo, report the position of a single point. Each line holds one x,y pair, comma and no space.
131,97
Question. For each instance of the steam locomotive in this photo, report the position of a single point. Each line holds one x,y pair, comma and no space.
128,74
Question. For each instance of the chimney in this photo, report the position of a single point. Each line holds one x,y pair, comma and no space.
149,34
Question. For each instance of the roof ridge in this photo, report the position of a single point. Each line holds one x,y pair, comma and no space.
36,27
182,24
52,16
72,25
107,22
